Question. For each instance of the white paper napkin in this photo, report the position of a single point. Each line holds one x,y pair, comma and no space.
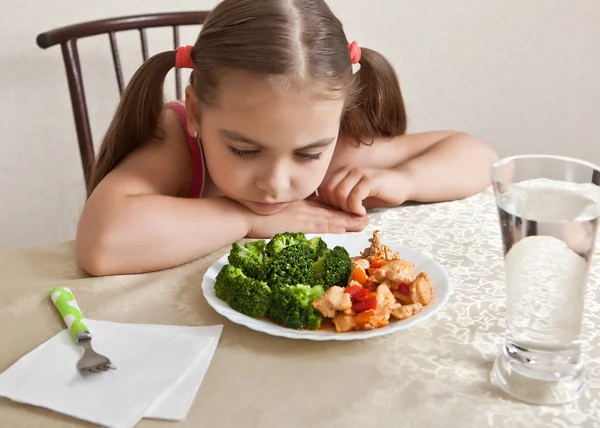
159,371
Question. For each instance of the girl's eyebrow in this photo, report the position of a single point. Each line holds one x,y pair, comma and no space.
235,136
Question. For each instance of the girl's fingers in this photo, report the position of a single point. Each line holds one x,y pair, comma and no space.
345,188
359,193
349,222
307,217
327,189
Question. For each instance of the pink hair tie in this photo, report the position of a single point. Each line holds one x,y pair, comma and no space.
184,57
354,52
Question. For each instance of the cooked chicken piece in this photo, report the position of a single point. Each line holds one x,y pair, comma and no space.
377,321
334,300
344,323
406,294
418,291
364,264
352,282
385,297
397,271
423,289
406,311
378,250
389,284
386,302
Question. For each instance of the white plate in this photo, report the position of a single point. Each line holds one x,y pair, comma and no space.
354,244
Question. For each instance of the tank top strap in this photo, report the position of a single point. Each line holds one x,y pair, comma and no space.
195,149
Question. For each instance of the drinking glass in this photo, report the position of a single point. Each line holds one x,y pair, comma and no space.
548,207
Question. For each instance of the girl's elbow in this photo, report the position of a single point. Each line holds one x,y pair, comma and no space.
486,152
491,154
93,259
93,253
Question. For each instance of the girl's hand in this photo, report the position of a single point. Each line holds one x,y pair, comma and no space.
354,189
305,217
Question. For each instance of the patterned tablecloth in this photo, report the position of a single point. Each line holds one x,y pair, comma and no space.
432,375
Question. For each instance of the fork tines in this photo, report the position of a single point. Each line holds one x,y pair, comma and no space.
99,368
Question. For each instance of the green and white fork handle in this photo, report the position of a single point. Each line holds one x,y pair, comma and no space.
67,307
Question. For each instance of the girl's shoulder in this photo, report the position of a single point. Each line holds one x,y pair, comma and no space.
159,166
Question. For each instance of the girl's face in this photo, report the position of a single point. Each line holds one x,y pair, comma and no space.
266,147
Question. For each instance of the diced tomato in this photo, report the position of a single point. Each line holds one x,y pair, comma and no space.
404,288
363,317
359,275
365,294
365,305
357,293
377,263
353,290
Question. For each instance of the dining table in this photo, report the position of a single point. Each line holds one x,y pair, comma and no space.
433,374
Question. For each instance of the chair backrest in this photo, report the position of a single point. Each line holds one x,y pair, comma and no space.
67,38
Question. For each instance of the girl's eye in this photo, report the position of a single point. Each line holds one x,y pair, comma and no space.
310,156
242,153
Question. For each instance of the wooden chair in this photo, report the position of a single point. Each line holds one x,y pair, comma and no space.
67,38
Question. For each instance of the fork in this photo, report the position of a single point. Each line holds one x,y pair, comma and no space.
67,307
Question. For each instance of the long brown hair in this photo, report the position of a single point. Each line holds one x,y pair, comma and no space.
296,43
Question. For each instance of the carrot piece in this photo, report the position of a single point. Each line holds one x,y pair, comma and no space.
377,262
359,275
363,317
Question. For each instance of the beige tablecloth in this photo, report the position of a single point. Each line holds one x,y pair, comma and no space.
433,375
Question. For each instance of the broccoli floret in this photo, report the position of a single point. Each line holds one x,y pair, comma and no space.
251,297
318,245
333,268
250,258
292,265
244,294
283,240
222,289
292,307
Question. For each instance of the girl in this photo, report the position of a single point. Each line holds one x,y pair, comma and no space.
275,111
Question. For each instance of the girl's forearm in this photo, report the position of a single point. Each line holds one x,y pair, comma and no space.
142,233
454,168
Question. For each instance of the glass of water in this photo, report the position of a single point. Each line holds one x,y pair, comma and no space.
548,208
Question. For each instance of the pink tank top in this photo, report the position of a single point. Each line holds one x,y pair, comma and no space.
196,151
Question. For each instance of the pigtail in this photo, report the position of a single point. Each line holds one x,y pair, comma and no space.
137,117
377,107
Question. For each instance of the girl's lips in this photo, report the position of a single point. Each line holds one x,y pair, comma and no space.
265,207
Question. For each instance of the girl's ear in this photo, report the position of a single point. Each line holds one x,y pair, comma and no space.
191,111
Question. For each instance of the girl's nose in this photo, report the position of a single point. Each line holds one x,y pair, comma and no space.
274,181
